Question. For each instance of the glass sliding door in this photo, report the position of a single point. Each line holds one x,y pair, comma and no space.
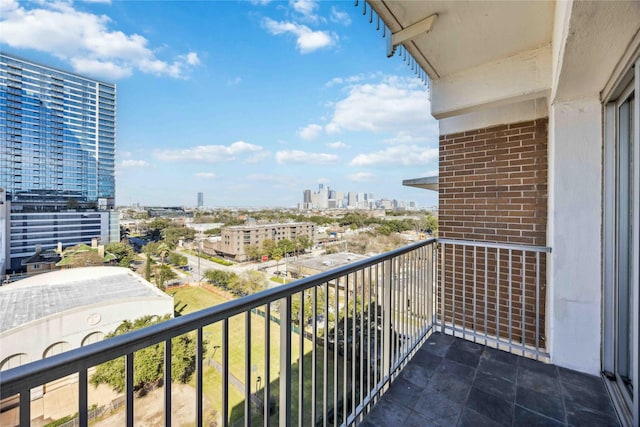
625,252
621,244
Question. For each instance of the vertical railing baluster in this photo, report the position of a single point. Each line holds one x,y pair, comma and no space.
247,368
370,329
128,372
301,361
498,297
523,326
486,296
345,350
386,324
314,363
336,343
266,393
376,336
362,326
285,361
464,292
199,376
83,404
537,305
353,343
441,284
325,360
167,383
225,372
25,407
510,281
475,295
453,287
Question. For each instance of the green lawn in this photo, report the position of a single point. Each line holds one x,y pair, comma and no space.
190,299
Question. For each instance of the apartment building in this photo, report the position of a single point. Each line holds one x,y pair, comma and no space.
235,238
57,159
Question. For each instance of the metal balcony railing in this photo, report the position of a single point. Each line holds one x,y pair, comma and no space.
356,327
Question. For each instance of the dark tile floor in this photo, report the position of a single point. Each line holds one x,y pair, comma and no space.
453,382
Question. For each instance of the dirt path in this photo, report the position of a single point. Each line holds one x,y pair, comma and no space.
149,410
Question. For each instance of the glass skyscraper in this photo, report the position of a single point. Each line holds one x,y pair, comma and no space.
57,156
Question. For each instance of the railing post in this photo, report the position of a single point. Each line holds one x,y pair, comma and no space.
285,362
387,314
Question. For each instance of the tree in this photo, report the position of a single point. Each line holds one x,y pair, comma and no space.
430,224
155,227
252,251
162,251
212,232
177,259
147,269
172,235
148,362
219,278
247,284
122,251
164,273
267,247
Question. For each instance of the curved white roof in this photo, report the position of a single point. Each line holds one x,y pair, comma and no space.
46,294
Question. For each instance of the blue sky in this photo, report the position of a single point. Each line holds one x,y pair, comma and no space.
250,102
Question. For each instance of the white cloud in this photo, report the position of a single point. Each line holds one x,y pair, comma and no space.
297,156
307,40
361,176
233,82
401,155
310,132
340,17
304,7
337,145
392,105
432,172
209,153
406,137
131,163
205,175
85,40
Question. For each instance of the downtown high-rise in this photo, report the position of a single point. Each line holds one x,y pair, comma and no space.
57,159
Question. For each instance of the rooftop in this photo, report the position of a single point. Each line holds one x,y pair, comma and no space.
453,382
47,294
328,262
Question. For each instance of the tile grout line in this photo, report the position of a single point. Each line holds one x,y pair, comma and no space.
475,374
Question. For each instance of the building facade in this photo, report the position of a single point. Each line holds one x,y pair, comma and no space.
57,158
235,238
539,117
200,204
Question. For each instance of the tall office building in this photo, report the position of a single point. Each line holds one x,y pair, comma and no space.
200,199
57,158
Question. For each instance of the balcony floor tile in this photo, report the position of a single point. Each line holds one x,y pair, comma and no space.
452,382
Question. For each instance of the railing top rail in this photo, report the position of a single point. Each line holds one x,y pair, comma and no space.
506,246
45,370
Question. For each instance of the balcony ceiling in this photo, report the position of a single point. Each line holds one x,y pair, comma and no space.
469,33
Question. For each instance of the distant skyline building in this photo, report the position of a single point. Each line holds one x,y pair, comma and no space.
57,158
200,203
327,198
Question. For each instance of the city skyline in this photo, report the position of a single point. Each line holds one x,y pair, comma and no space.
310,97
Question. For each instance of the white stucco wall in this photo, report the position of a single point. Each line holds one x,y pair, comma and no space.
574,234
73,326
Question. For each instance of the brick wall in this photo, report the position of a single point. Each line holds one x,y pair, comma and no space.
493,188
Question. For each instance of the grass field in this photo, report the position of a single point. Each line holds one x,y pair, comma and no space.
190,299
